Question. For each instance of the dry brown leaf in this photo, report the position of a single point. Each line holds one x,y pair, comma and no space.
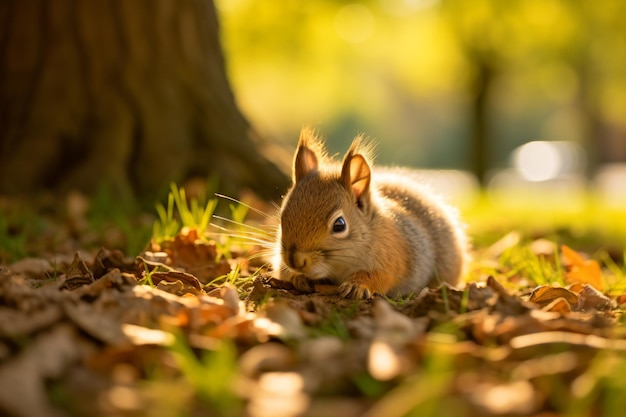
188,280
214,311
283,315
112,279
545,295
193,255
98,324
559,305
140,335
107,260
228,293
35,268
240,328
580,269
393,327
17,293
591,298
14,323
576,287
23,377
620,299
267,357
77,275
175,287
575,339
506,303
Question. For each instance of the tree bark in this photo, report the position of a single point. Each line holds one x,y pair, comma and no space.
129,93
480,119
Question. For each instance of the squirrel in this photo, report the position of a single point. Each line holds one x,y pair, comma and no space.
367,230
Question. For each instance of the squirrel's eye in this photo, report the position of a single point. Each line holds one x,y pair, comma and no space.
339,225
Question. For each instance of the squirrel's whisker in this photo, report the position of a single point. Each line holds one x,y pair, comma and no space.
234,200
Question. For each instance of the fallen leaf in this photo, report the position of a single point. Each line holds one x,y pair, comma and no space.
140,335
545,295
172,276
620,299
36,268
15,323
77,275
286,318
565,337
106,260
228,293
580,269
174,287
103,327
267,357
112,279
197,256
560,305
576,287
591,298
393,327
506,303
23,378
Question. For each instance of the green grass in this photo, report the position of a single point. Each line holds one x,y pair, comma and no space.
210,374
520,260
399,301
198,213
587,225
108,210
193,213
12,244
335,323
601,388
243,284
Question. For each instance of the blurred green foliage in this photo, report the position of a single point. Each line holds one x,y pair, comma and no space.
409,72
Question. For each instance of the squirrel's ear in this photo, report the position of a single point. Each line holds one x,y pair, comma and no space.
356,175
305,162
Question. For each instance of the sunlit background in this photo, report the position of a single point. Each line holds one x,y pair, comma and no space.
528,94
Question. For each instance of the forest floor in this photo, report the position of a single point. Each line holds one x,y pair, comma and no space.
95,323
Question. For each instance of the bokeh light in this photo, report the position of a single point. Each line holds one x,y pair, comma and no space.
542,160
538,161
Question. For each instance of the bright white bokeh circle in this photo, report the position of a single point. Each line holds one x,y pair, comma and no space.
538,161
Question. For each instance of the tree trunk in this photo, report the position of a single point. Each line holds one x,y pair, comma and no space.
479,112
129,93
480,119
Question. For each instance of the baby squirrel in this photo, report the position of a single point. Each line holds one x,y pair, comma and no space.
368,230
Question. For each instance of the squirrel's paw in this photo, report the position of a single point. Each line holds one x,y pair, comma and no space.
355,291
302,283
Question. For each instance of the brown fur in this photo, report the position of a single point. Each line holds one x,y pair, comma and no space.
399,239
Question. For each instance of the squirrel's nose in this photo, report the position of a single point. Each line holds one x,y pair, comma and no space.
297,259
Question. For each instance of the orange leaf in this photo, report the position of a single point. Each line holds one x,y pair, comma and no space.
580,269
621,299
560,305
544,295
